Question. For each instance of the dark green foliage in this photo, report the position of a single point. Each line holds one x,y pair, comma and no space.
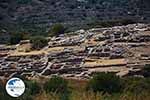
56,84
16,38
105,82
38,42
59,86
146,71
135,88
136,85
56,30
33,87
111,23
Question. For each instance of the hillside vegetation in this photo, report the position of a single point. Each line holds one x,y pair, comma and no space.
38,15
103,86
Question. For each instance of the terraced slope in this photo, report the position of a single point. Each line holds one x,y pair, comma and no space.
25,14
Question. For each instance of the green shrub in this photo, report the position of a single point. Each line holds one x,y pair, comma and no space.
56,84
105,82
110,23
136,85
33,87
15,38
38,42
56,30
146,71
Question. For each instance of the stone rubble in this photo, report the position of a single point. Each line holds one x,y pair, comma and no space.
121,49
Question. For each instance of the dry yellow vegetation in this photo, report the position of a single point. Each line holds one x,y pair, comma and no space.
26,53
104,62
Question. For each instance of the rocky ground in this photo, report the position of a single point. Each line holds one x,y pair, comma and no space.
124,50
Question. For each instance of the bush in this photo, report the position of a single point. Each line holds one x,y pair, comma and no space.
146,71
56,30
38,42
16,38
111,23
33,87
56,84
105,82
136,85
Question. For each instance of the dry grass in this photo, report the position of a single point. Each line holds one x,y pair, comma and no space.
24,47
20,50
95,96
45,96
140,96
101,62
86,96
26,53
60,49
55,49
78,92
